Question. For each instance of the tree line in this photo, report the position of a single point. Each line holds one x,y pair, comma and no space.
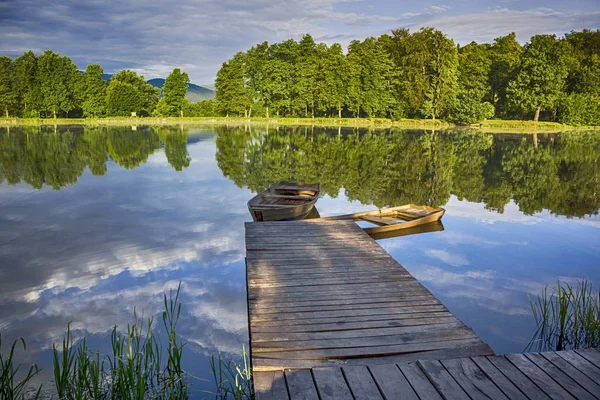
50,85
421,74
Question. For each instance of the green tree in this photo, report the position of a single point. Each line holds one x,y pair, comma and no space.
93,91
584,74
370,86
505,54
59,80
428,64
232,94
542,75
26,84
8,94
128,92
335,79
174,90
474,65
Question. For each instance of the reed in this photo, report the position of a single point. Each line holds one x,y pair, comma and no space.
137,368
13,387
568,318
232,379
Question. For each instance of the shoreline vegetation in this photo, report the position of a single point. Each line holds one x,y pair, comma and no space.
488,126
401,77
140,366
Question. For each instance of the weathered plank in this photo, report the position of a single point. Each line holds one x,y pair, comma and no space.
367,350
582,364
592,355
591,385
352,333
371,324
517,377
331,384
361,383
539,377
270,386
392,383
271,364
433,335
419,382
501,381
442,380
472,379
301,385
560,377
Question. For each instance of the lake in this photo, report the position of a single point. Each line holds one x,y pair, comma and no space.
97,222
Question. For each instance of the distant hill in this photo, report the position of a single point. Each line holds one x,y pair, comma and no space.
194,93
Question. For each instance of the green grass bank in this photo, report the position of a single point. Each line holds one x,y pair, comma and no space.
490,126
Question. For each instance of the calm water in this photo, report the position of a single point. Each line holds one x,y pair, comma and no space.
95,222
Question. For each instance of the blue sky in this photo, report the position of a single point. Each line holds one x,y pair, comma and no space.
153,37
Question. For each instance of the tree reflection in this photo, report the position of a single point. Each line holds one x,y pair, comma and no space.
385,167
42,156
560,173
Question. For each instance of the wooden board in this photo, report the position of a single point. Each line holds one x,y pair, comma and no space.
324,291
514,376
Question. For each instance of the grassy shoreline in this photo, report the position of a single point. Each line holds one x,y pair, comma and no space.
489,126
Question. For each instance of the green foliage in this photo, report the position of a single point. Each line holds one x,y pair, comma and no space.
568,318
468,109
427,63
505,55
128,92
138,368
173,95
204,108
232,95
542,75
13,387
584,74
135,370
93,91
26,84
233,380
579,109
59,81
8,93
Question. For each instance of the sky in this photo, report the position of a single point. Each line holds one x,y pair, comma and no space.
153,37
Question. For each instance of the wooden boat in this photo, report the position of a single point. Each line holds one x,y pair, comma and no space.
436,226
284,201
394,218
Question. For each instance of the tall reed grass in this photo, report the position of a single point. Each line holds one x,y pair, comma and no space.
139,366
568,318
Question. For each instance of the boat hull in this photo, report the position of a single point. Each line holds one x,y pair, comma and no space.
284,202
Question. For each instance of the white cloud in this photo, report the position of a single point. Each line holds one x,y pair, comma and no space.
487,25
446,257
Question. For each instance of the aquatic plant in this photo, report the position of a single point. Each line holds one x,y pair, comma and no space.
232,379
568,318
138,367
13,387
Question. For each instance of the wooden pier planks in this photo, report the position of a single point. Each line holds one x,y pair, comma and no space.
551,375
323,293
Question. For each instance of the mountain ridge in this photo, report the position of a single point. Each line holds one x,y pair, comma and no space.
194,93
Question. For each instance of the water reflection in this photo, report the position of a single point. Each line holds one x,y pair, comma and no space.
171,203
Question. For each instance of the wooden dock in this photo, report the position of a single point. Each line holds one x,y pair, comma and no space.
333,316
324,293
